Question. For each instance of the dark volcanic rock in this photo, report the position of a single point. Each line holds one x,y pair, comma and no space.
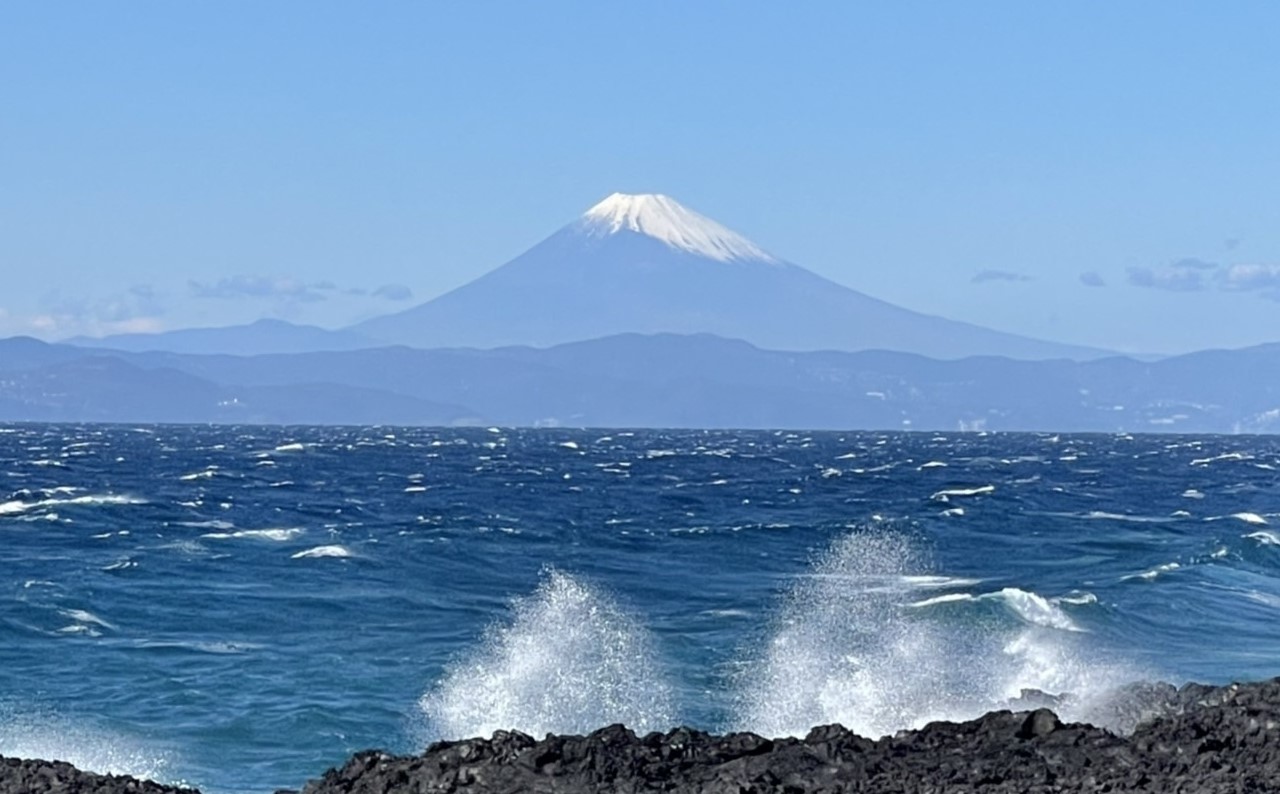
1203,739
19,776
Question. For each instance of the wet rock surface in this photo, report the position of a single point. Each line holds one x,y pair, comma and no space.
23,776
1204,739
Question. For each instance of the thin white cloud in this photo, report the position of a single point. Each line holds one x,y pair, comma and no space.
261,287
1263,279
1173,279
1194,275
985,276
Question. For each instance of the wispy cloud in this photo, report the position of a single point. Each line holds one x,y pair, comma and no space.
260,287
985,276
1195,275
286,289
1173,278
1092,278
393,292
138,308
1262,279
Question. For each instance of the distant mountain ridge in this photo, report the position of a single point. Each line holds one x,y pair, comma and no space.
256,338
646,264
635,380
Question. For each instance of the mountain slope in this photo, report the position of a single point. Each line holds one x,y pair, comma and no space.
263,336
645,264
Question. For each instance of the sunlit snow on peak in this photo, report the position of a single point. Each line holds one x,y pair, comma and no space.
665,219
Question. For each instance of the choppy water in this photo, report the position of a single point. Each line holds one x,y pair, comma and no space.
239,608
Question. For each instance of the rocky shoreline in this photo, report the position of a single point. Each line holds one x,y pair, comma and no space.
1194,739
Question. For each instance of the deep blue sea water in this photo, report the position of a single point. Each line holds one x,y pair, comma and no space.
239,608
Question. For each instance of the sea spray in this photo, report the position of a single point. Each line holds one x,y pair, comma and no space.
36,732
854,643
570,661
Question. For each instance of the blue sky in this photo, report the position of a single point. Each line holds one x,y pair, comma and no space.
1097,173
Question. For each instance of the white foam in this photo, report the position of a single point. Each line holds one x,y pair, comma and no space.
1078,599
931,581
35,733
942,496
323,551
570,661
85,617
294,447
946,598
1216,458
278,535
17,507
1153,573
860,656
1250,518
933,464
204,474
1265,538
1032,608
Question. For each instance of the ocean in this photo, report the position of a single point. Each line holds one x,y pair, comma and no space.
238,608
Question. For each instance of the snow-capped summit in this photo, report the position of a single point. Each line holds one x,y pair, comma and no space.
644,264
665,219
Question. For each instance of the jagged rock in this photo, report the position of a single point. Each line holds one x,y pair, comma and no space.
1194,739
23,776
1207,740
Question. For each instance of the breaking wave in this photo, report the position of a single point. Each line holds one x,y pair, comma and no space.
859,640
571,661
854,644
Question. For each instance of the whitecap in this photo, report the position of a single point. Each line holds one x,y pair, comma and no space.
323,551
205,474
942,496
945,598
1225,456
85,617
930,581
1032,608
1250,518
1265,538
1077,599
293,447
933,464
278,535
1153,573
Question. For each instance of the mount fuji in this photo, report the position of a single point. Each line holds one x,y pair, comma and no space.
646,264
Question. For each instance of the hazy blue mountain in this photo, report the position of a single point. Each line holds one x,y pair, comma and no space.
263,336
645,264
58,383
635,380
